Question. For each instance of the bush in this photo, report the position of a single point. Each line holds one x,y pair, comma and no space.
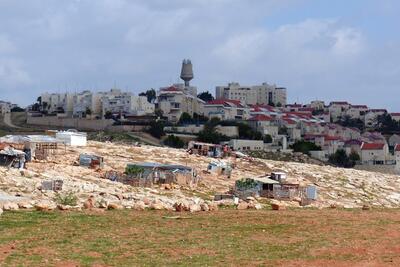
340,159
156,129
305,147
268,139
133,170
174,141
67,199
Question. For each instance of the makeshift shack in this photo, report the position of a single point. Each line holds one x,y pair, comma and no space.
37,146
72,138
270,188
91,161
148,173
10,157
220,168
205,149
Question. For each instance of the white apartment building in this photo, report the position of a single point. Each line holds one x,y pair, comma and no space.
357,111
338,109
128,104
226,109
177,99
57,102
5,107
252,95
95,104
371,116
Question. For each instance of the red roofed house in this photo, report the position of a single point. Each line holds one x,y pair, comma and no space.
177,99
374,153
264,124
226,109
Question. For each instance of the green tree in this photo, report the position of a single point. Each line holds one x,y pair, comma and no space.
205,96
158,112
305,147
150,94
340,158
354,157
185,118
268,139
156,129
174,141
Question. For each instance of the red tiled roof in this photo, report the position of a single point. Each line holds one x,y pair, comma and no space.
223,101
261,117
289,121
397,114
397,148
372,146
170,89
293,105
331,138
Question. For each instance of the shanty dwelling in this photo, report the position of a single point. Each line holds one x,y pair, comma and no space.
10,157
270,188
220,168
91,161
148,173
205,149
72,138
35,146
374,153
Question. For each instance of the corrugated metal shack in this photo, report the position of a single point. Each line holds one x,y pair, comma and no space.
91,161
147,174
270,188
10,157
35,146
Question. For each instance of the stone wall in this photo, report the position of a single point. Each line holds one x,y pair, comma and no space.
75,123
388,169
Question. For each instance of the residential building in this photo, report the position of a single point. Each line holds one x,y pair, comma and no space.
246,145
397,157
371,116
264,124
252,95
5,107
374,153
176,99
337,109
226,109
357,111
317,105
395,116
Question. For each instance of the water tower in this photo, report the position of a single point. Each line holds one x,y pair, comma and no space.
187,71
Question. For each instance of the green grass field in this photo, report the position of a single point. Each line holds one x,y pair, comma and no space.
223,238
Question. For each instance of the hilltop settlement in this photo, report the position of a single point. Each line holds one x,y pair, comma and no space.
245,148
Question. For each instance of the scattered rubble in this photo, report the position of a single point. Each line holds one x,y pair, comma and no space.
336,186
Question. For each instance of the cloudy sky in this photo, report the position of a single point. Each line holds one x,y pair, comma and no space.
318,49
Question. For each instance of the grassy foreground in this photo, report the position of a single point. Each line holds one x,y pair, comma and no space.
223,238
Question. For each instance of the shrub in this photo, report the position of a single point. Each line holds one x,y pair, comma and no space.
174,141
133,170
69,199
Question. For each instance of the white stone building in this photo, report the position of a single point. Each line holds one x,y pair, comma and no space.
176,99
226,109
252,95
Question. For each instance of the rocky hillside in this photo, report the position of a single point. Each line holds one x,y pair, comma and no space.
336,186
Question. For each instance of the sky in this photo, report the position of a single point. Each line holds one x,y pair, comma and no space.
317,49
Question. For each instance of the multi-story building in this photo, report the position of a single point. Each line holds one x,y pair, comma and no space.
177,99
226,109
337,109
95,104
252,95
5,107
